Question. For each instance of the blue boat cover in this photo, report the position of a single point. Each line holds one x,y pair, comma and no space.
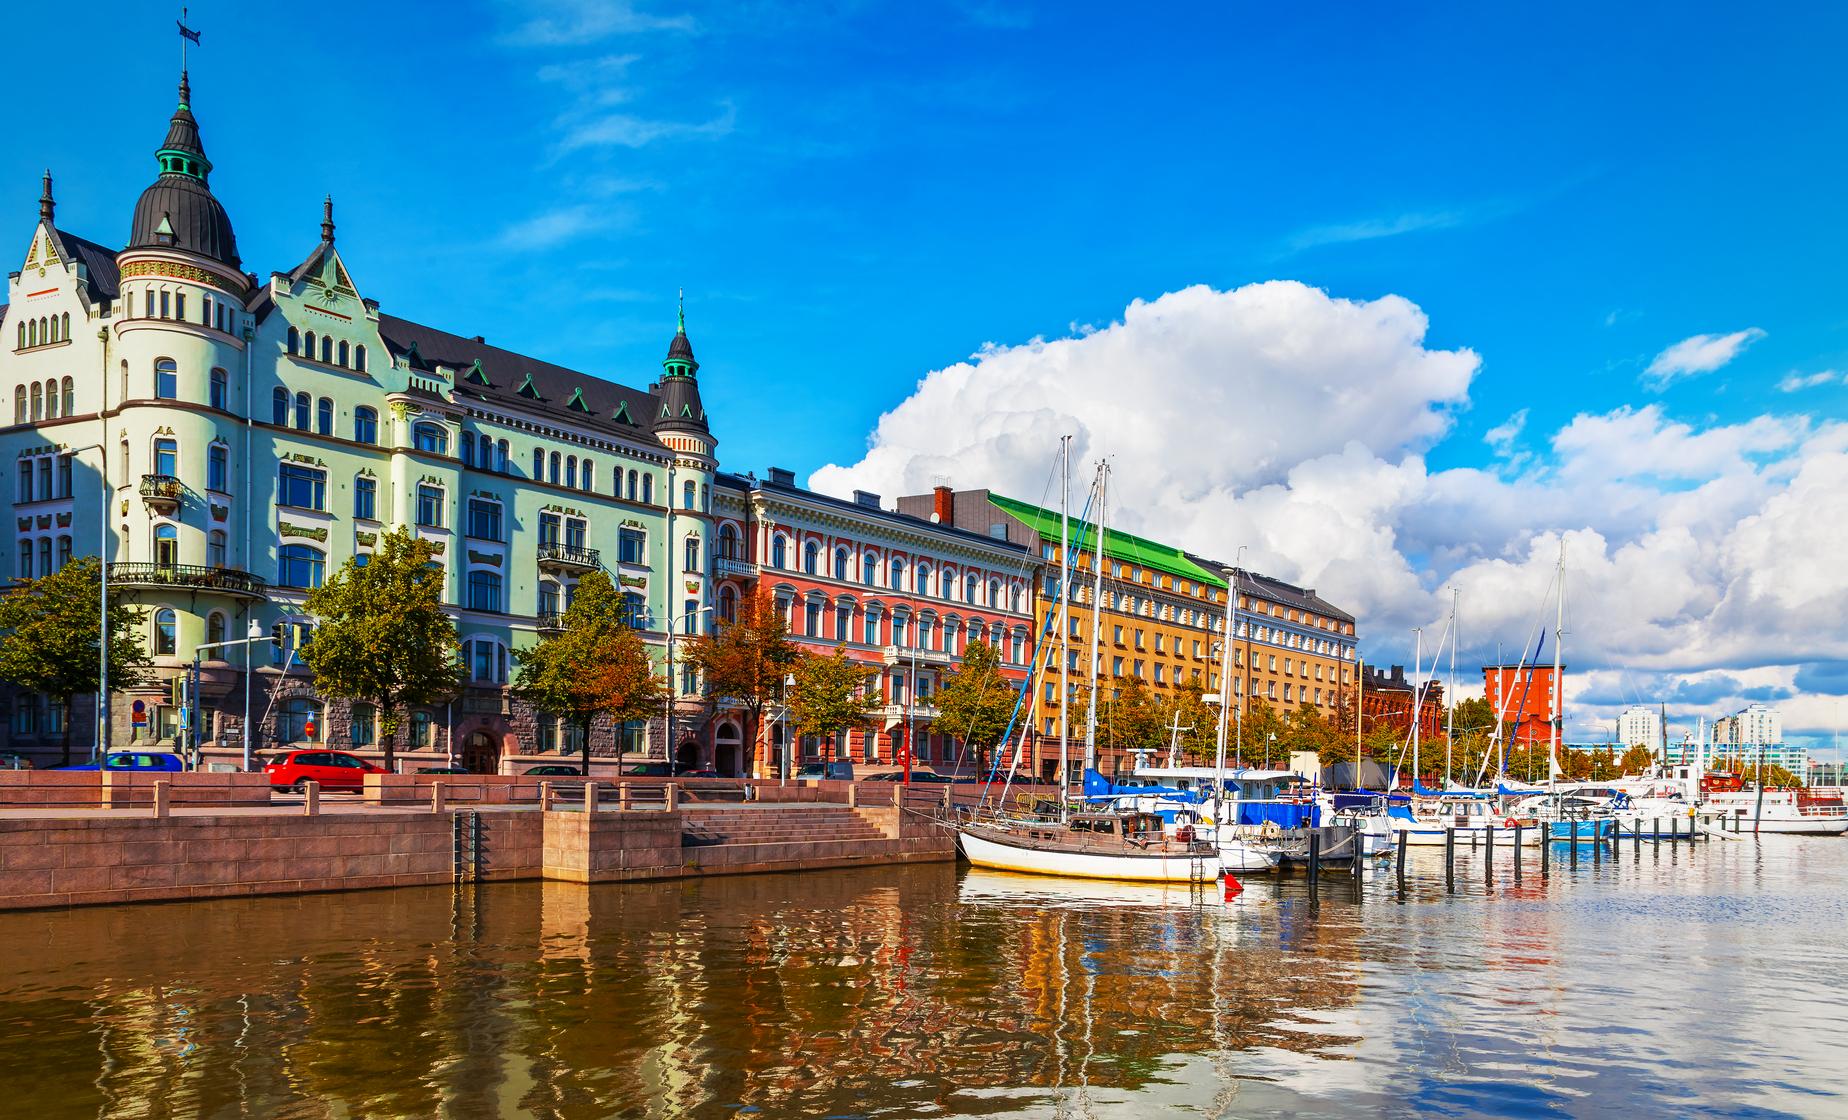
1401,812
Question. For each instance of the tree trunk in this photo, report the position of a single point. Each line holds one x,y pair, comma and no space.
585,724
67,734
388,740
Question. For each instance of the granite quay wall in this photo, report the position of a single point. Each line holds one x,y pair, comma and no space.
104,789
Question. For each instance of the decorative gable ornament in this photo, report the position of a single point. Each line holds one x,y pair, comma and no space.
528,390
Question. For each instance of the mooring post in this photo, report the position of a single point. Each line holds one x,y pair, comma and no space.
1636,837
437,797
1399,860
1573,846
1450,858
1546,849
1656,840
163,800
1517,853
311,798
1354,846
591,795
1315,855
1488,854
1674,829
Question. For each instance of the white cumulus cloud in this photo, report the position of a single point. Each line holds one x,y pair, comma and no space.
1702,353
1794,382
1283,419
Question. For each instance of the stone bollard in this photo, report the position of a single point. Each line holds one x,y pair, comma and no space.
590,796
545,797
672,793
163,799
853,795
311,798
438,797
949,798
622,795
898,795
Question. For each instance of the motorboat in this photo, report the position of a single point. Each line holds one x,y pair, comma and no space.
1131,846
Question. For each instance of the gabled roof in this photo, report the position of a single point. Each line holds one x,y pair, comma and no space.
575,398
99,264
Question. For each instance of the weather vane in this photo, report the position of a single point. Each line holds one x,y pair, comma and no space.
187,35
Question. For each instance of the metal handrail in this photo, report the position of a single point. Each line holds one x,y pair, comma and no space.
162,486
187,575
566,554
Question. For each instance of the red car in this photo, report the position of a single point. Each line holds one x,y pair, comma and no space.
333,769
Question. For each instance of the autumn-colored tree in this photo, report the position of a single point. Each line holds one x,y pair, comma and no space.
381,635
596,665
743,662
1636,760
1747,767
1473,714
832,694
976,703
1260,742
48,633
1128,720
1197,721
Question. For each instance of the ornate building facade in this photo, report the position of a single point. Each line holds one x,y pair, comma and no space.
901,594
230,440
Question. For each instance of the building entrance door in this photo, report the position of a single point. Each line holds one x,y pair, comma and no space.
481,754
728,753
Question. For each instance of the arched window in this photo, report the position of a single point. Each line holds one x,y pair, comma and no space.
218,468
22,335
427,436
64,330
300,566
220,389
51,400
308,345
327,349
635,610
840,563
19,404
295,341
484,591
779,552
279,405
343,352
365,424
420,729
728,603
64,551
302,406
500,456
923,579
571,471
38,401
359,357
632,489
45,556
869,568
811,558
215,548
555,459
215,633
294,718
897,579
466,444
31,332
589,482
166,632
690,561
994,592
648,489
166,545
538,464
686,495
324,416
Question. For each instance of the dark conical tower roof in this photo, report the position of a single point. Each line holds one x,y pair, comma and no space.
179,210
679,388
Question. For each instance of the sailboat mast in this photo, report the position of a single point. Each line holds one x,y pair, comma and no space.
1065,591
1450,690
1097,614
1225,697
1559,689
1417,695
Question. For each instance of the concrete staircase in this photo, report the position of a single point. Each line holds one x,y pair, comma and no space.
803,824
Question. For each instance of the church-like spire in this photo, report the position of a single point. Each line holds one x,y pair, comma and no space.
327,220
679,361
679,388
48,206
178,210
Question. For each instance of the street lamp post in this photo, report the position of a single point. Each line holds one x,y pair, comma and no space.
256,635
782,715
673,694
102,568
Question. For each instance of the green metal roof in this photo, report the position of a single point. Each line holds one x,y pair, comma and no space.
1126,547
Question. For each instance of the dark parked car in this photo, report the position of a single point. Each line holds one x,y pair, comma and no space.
443,770
648,770
554,770
699,774
332,769
827,771
158,762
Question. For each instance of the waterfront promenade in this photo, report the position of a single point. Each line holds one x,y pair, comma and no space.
93,839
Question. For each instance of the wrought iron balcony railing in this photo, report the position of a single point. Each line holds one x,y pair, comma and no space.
194,577
565,556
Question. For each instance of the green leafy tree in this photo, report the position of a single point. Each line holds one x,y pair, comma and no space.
743,662
1197,720
597,665
832,694
48,631
1474,714
1262,741
381,636
1129,720
976,702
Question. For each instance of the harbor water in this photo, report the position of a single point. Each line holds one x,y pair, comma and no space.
1668,981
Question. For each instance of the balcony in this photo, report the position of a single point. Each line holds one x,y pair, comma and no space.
903,655
733,566
891,714
189,577
563,557
162,491
552,622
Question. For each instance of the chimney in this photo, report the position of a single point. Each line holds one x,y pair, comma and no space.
943,504
866,498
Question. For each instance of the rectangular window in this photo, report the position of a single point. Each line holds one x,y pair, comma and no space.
630,546
429,506
1116,666
302,487
166,312
843,624
872,629
216,461
812,620
574,532
366,497
548,528
484,519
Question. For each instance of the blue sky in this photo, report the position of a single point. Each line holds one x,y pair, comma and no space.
855,195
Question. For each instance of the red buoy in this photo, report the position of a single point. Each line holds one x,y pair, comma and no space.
1233,888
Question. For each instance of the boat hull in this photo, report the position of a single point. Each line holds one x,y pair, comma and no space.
986,850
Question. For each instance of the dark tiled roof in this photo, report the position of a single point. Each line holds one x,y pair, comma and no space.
680,348
99,263
1276,591
198,220
504,374
727,480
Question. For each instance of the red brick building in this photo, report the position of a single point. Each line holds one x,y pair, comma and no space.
1386,701
903,595
1523,695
